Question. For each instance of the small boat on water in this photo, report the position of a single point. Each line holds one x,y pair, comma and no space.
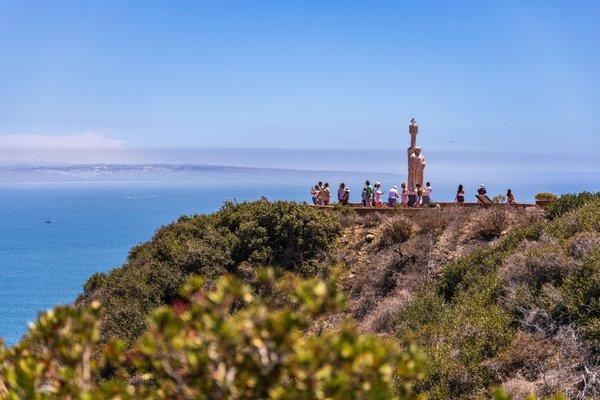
48,221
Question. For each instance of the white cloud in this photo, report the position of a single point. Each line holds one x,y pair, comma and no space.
89,140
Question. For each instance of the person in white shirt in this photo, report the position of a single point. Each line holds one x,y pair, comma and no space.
427,194
393,196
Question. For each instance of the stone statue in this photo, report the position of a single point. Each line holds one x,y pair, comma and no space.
416,160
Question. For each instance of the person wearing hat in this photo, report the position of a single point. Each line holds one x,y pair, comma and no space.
343,194
393,196
481,191
377,195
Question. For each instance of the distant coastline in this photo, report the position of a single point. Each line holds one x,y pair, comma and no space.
84,173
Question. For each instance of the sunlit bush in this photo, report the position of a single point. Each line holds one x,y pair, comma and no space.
222,344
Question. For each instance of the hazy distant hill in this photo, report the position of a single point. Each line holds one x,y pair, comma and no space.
168,172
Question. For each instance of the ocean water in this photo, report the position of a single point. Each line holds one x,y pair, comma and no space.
93,228
94,225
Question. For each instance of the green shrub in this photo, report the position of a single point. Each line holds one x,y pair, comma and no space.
582,295
61,358
458,275
281,233
130,295
457,337
585,218
463,322
568,202
462,273
94,282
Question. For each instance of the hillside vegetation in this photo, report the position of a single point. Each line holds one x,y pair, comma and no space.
451,303
236,240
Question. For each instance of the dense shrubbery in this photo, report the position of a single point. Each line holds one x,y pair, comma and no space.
568,202
236,239
222,344
586,218
457,336
281,233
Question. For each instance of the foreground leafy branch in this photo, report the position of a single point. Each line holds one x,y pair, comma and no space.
224,343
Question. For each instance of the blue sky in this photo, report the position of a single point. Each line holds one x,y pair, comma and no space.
512,76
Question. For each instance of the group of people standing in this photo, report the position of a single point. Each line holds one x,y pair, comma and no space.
321,194
482,191
373,195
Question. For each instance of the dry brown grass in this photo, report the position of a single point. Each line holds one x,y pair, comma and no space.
489,224
395,230
546,363
384,318
373,281
435,221
527,356
372,220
